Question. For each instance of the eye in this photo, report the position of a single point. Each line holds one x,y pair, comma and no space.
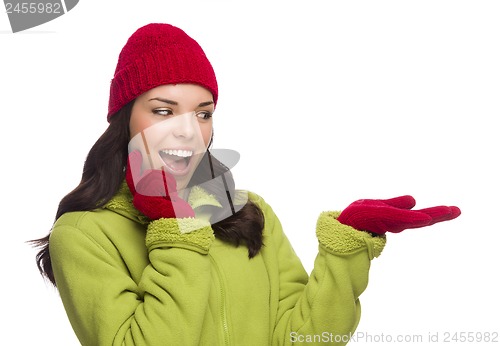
163,112
205,115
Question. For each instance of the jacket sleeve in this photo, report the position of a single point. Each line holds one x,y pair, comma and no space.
107,307
324,306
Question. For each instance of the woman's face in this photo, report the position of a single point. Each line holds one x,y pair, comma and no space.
172,126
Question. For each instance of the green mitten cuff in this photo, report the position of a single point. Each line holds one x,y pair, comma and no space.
189,233
341,239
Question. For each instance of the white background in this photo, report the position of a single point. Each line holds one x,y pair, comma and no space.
326,104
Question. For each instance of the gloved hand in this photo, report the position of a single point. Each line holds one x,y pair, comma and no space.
393,215
154,191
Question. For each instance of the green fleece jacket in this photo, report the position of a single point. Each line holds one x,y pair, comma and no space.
125,280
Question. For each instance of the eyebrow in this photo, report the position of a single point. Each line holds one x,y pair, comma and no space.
174,103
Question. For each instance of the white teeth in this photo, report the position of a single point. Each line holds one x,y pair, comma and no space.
180,153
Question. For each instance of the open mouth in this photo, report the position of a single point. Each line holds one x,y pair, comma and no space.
176,160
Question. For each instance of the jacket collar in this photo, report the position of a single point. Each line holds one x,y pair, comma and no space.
122,202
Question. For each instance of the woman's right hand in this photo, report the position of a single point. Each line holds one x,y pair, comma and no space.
154,191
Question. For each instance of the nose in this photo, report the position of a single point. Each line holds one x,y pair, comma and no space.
185,125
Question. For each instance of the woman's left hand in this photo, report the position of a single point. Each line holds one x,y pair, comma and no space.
393,215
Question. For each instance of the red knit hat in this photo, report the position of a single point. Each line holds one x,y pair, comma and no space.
158,54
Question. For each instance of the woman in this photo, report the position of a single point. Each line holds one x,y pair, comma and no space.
156,247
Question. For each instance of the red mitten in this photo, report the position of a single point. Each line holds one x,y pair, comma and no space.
154,191
393,215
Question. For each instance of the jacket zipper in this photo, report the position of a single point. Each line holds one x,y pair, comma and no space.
223,314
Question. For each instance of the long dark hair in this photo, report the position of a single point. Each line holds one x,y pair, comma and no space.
103,174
